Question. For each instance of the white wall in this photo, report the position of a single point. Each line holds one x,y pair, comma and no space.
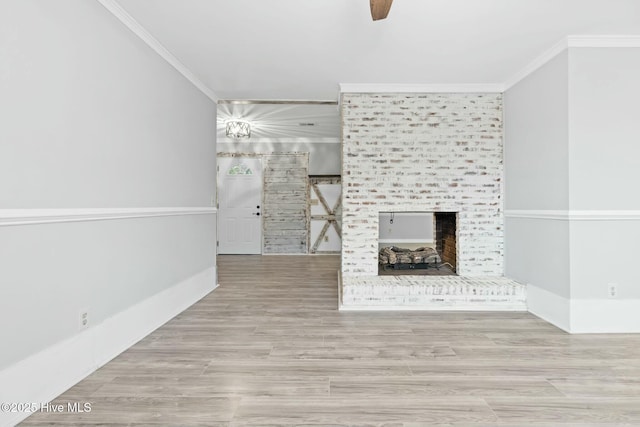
571,195
324,157
605,169
537,177
52,271
536,126
93,118
604,92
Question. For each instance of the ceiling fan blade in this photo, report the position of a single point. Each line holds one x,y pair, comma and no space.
380,8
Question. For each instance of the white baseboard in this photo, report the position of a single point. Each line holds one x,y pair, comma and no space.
585,316
549,306
45,375
599,316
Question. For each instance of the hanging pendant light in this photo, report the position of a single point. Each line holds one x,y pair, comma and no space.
237,129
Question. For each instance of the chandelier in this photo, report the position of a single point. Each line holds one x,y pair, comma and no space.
238,129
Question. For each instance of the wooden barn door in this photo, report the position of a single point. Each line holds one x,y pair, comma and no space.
326,215
286,210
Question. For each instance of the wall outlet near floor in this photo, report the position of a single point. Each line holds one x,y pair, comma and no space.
612,290
83,319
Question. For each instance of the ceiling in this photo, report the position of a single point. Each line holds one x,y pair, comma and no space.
302,49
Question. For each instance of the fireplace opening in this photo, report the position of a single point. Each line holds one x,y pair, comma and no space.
417,243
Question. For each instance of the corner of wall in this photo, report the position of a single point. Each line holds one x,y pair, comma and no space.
585,316
549,306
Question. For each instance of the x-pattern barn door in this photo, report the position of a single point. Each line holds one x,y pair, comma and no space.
326,211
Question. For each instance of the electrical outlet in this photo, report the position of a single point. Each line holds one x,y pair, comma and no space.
83,319
612,290
326,238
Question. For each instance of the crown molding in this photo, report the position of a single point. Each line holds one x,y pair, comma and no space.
133,25
572,41
541,60
569,41
9,217
604,41
421,88
548,55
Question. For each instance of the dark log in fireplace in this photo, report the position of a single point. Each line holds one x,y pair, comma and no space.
396,258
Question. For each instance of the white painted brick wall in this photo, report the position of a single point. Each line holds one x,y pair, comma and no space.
434,292
423,152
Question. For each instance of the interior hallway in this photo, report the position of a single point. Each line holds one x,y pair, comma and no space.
269,347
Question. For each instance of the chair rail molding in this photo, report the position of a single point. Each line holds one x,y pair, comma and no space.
14,217
575,215
421,88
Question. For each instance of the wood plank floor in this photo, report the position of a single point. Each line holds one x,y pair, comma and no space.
269,348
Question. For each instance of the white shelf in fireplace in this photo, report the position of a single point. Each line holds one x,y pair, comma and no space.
426,242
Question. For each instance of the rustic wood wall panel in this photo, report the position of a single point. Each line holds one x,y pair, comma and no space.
327,213
286,209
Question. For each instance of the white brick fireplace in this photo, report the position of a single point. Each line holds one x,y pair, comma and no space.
424,152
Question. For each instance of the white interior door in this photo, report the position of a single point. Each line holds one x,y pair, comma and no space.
239,205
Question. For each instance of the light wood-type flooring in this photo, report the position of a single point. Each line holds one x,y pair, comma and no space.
269,348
